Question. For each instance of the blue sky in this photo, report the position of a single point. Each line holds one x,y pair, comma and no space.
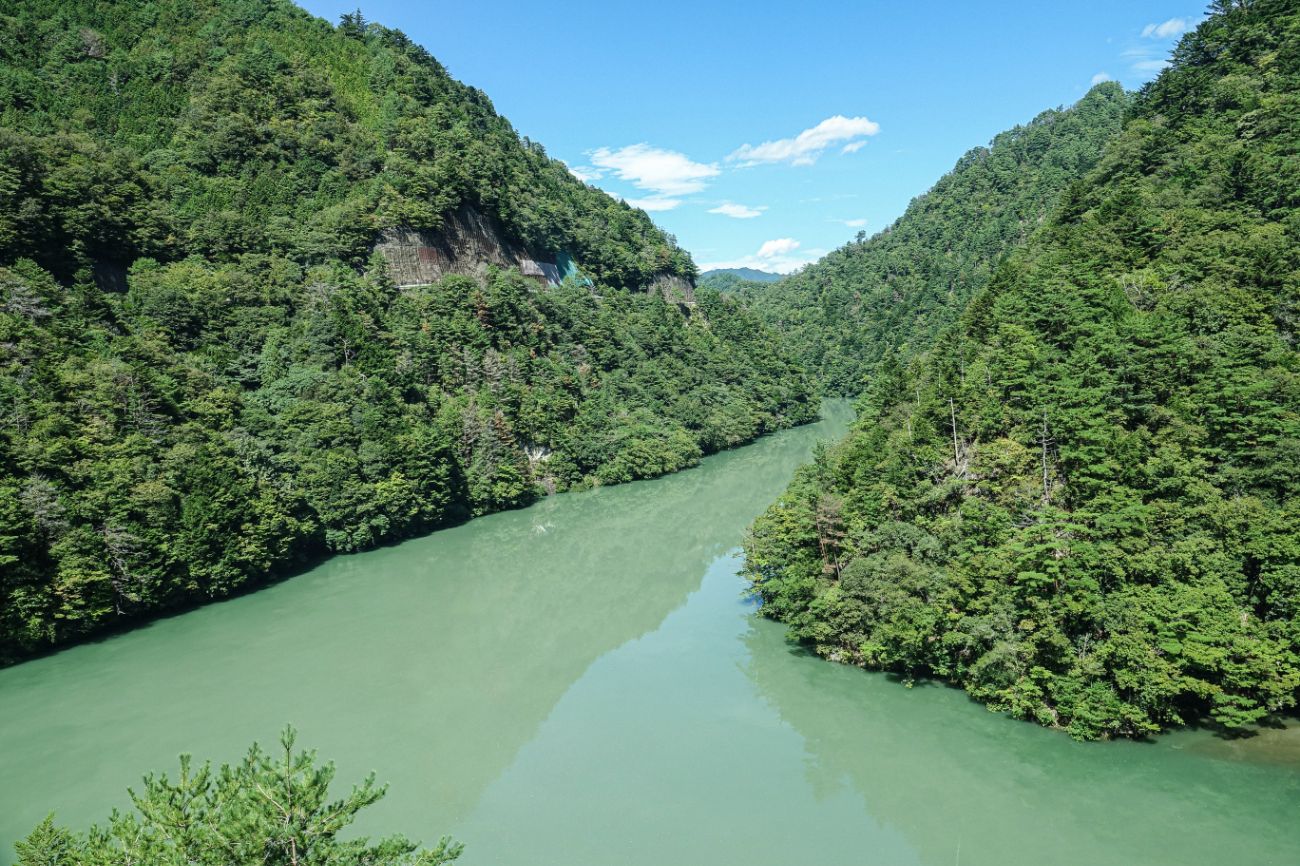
767,134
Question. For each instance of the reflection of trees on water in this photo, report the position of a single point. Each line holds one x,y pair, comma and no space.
548,591
431,662
953,777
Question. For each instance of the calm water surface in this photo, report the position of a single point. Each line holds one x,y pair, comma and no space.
582,683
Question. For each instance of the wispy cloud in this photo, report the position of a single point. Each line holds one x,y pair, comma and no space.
1166,29
1145,59
585,173
1152,65
663,173
738,211
833,197
807,146
853,223
654,203
1100,77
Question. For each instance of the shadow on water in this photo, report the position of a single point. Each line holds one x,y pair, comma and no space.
431,662
311,558
1275,740
960,782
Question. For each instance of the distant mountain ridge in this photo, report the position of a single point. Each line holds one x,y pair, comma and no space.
753,275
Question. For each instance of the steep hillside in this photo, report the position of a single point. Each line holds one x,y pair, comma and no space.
228,127
896,290
271,288
1081,504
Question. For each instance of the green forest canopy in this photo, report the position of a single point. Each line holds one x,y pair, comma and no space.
207,378
270,808
1081,502
893,292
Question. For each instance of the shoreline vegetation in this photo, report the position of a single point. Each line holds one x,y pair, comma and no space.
1079,501
211,376
274,289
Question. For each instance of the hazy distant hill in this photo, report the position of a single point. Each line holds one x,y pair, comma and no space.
752,275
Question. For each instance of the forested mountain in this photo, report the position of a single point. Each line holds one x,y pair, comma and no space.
223,128
1082,502
751,274
894,291
261,298
725,278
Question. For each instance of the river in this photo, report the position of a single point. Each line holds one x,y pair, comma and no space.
582,682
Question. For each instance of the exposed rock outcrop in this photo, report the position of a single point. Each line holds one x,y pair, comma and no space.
675,289
468,243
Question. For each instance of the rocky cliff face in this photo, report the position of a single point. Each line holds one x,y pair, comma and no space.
674,289
467,244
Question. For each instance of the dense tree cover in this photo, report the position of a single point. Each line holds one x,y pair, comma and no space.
735,279
273,809
1082,503
226,127
205,376
729,282
894,292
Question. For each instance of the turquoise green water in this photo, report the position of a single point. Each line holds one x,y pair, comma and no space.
582,683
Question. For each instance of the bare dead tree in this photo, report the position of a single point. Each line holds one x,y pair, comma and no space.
121,547
41,499
956,450
21,300
829,520
1045,441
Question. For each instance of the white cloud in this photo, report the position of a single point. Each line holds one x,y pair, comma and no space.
1100,77
854,146
654,203
853,224
738,211
778,247
1165,29
775,256
805,147
782,265
665,173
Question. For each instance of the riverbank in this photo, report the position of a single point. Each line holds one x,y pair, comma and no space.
584,682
